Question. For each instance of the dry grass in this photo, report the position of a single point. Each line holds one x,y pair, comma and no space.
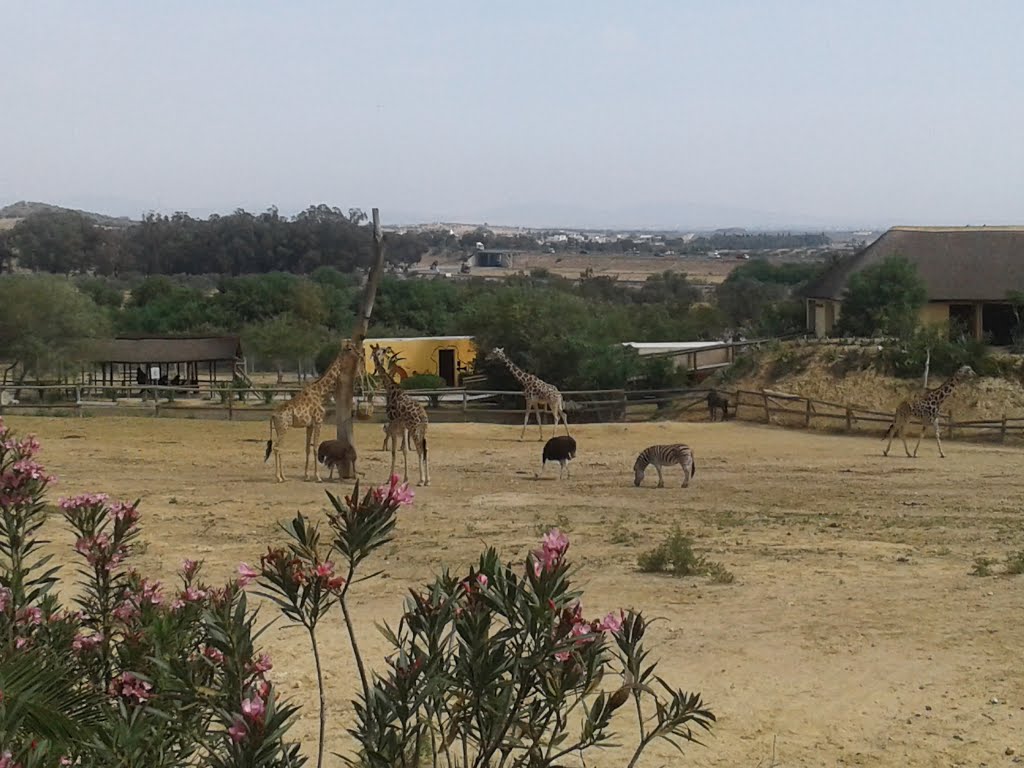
853,633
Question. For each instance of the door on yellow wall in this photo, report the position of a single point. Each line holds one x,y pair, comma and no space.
446,365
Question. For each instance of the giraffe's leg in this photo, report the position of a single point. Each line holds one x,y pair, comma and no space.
278,462
421,456
565,420
661,480
405,460
920,435
892,434
938,440
540,428
526,419
311,450
394,456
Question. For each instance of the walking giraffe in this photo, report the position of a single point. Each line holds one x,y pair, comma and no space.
537,393
306,409
404,414
926,409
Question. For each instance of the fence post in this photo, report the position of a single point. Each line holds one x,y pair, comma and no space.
78,401
767,413
1002,431
231,407
807,418
465,404
849,419
625,406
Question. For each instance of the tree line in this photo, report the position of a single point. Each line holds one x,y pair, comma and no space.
571,330
69,242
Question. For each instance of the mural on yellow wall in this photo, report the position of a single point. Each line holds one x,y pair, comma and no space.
449,357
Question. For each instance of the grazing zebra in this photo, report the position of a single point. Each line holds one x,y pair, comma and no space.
665,456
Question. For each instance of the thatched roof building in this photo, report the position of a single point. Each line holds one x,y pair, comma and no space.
967,272
124,358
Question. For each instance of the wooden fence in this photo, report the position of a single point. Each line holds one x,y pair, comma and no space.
504,407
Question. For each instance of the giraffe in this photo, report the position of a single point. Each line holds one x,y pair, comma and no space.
404,414
926,409
538,393
306,409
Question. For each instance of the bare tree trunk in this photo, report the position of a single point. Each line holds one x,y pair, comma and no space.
344,396
927,365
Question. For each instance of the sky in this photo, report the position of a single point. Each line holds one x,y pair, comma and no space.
576,113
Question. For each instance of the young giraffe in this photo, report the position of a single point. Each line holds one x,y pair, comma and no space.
404,413
538,393
926,409
306,409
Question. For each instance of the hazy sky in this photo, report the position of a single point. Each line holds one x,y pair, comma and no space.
583,112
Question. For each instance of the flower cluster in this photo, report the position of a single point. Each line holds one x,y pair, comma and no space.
253,710
130,688
22,478
100,552
393,493
553,547
294,570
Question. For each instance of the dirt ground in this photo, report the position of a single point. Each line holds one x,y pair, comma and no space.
852,635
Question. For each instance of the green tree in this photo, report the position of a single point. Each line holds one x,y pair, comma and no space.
45,323
884,298
284,339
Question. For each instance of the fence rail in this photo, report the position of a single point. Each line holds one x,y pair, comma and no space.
502,406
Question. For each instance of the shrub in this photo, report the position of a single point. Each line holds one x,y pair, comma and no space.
906,357
136,675
675,555
424,381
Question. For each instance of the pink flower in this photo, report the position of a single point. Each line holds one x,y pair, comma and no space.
213,655
553,547
193,595
237,731
189,567
7,760
85,501
562,655
325,570
394,493
29,616
85,643
555,541
126,512
253,707
611,622
129,687
264,688
481,579
246,574
262,664
177,604
21,642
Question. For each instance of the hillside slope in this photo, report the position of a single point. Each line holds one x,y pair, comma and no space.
24,208
824,373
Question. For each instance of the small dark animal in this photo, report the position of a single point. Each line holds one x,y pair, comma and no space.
561,449
334,453
717,401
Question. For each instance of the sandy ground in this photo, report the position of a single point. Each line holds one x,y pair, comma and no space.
852,635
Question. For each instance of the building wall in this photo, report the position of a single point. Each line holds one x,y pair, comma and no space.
421,355
935,313
823,314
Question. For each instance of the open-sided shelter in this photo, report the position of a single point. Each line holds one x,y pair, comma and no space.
165,359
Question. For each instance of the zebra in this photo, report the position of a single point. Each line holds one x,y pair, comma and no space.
665,456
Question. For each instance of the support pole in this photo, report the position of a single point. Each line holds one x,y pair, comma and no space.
344,395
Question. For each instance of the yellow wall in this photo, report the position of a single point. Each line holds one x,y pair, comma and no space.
934,313
422,355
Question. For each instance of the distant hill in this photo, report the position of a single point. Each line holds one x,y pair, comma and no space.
23,209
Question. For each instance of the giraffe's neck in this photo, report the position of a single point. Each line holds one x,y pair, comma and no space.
518,373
